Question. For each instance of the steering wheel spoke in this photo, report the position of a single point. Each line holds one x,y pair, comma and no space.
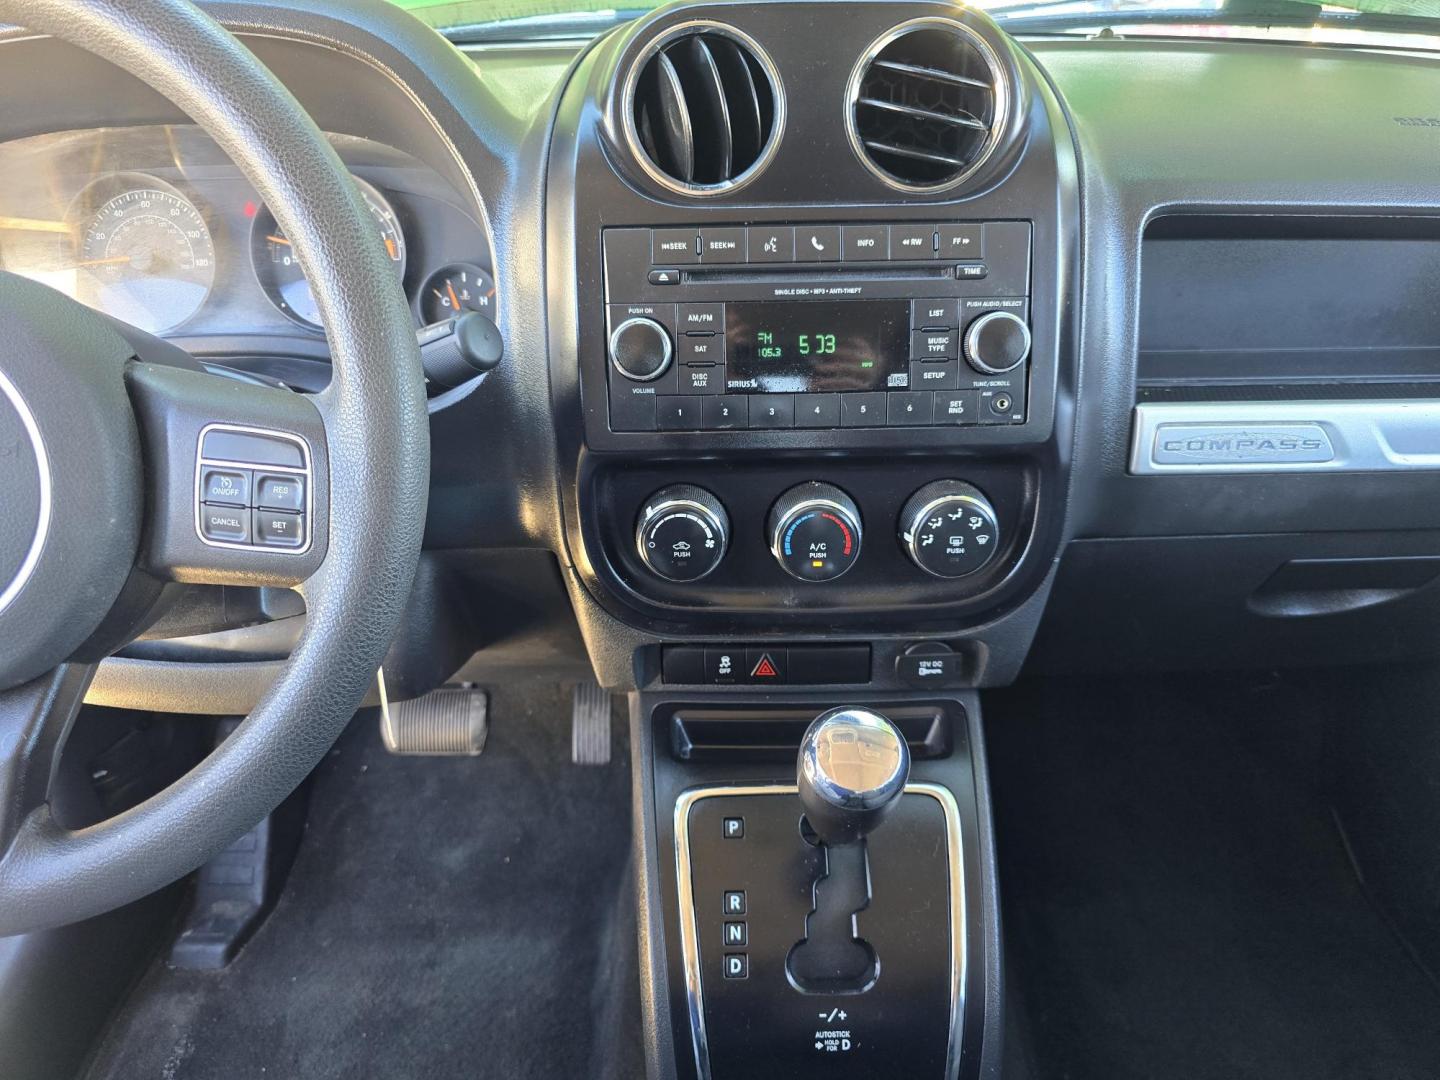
35,719
236,475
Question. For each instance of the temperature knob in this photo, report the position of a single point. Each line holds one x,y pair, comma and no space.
949,529
682,533
997,342
815,532
640,349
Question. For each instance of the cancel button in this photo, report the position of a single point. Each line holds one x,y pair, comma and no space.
279,491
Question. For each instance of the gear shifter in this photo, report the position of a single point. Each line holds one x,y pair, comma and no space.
852,768
851,772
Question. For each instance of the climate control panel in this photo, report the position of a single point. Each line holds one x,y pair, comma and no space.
947,528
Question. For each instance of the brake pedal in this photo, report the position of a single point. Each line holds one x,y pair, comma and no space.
590,725
451,720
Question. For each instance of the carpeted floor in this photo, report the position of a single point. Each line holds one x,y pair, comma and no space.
444,918
1177,899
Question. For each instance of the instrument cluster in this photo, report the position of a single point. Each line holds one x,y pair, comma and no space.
154,226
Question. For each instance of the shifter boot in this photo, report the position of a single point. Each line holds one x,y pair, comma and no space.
833,958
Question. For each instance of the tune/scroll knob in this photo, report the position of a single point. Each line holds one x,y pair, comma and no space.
641,349
815,532
997,342
682,533
949,529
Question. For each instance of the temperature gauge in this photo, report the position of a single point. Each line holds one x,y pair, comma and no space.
457,288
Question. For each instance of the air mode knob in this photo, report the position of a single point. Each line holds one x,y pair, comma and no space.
641,349
682,533
815,532
997,342
949,529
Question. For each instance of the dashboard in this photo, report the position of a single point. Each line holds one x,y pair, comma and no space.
1117,307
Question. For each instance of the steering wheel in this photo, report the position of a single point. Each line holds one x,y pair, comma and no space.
105,479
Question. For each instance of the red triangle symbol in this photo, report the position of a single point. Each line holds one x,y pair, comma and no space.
764,669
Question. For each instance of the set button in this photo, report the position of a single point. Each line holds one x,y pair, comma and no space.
276,528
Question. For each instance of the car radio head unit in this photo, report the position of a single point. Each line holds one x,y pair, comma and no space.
817,326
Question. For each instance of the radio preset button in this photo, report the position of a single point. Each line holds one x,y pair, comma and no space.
701,318
911,408
866,243
934,315
817,410
771,243
817,243
677,413
772,411
722,245
933,345
962,242
669,247
862,410
912,242
725,412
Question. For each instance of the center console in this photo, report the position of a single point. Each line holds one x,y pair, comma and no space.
811,273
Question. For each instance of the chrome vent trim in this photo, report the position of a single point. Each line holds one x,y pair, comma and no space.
703,109
917,125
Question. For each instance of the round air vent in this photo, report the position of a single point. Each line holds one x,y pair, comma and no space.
927,104
703,109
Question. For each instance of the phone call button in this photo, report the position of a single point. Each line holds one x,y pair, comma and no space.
817,243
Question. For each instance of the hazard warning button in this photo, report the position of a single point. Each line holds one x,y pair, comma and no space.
766,666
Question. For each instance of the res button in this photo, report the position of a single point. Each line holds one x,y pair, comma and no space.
279,491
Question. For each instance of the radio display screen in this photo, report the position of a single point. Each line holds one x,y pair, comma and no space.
806,347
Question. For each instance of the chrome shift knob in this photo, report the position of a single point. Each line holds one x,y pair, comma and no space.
853,765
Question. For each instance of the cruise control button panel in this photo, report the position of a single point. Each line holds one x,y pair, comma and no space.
249,503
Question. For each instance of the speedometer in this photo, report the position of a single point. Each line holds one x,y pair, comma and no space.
145,256
278,270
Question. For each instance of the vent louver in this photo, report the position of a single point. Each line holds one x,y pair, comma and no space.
704,111
927,105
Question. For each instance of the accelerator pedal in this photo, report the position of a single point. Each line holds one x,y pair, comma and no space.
448,721
590,725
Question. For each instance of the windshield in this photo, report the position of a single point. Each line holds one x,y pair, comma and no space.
1402,23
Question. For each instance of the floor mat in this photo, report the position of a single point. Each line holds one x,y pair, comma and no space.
1177,900
444,918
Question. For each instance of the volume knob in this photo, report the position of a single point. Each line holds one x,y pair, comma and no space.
640,349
